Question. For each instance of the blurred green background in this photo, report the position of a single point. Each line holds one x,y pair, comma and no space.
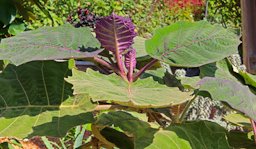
19,15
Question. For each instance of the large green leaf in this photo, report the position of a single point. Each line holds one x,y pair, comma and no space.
234,93
192,44
144,93
49,43
227,87
201,134
36,100
196,135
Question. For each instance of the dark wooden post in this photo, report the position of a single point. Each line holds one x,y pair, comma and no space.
248,8
249,34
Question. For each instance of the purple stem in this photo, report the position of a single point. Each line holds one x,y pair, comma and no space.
254,129
103,63
130,73
143,69
108,65
119,63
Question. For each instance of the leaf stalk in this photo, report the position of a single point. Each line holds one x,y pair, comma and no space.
143,69
253,123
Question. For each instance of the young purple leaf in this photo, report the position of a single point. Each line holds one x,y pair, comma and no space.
130,59
130,63
115,33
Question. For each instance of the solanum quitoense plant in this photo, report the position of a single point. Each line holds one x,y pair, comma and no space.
49,98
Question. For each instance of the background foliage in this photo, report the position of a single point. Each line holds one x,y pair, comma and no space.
146,14
226,12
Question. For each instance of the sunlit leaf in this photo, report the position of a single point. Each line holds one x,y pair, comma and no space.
49,43
192,44
143,93
36,100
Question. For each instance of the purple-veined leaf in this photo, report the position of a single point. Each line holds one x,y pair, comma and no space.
115,33
130,59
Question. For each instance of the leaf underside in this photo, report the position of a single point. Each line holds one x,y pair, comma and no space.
144,93
36,100
225,85
49,43
192,44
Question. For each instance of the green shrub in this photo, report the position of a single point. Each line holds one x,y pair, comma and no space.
146,14
226,12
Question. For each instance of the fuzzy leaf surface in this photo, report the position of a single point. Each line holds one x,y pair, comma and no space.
192,44
238,96
36,100
49,43
144,93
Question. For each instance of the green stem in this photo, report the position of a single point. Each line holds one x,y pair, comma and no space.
181,119
110,66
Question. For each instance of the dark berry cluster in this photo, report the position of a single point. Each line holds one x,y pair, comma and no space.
85,18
